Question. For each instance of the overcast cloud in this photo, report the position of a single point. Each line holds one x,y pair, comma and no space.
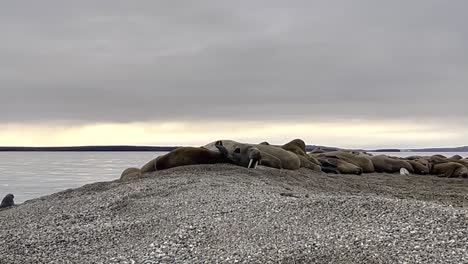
132,61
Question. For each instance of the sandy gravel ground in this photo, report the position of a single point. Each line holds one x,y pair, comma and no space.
228,214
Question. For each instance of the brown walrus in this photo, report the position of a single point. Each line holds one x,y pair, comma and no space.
130,173
308,164
384,163
413,157
436,159
464,162
450,170
421,166
457,157
150,166
271,156
362,161
184,156
298,147
340,165
249,156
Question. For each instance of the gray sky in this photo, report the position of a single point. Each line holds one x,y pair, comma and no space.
143,61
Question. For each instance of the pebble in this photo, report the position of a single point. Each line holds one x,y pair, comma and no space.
227,214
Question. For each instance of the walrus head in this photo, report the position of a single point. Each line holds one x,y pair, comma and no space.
456,157
243,155
297,146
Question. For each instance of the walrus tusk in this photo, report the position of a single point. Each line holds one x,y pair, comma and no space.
255,164
250,163
404,172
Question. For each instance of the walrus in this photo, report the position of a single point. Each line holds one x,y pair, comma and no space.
249,156
421,166
130,173
150,166
340,165
270,156
456,157
464,162
436,159
298,147
384,163
308,164
439,156
362,161
184,156
7,201
450,170
414,157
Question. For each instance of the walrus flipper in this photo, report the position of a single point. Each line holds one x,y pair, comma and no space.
270,161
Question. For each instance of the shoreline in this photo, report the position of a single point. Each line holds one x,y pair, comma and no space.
225,213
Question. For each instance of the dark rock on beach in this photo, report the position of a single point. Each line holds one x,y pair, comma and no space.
227,214
7,201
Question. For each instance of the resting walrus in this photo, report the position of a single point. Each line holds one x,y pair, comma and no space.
362,161
270,156
339,165
248,156
384,163
130,173
464,162
450,170
456,157
150,166
421,166
184,156
298,147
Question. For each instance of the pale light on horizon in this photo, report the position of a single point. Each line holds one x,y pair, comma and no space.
370,134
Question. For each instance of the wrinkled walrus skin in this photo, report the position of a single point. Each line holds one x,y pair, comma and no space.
130,173
341,166
184,156
450,170
362,161
239,153
384,163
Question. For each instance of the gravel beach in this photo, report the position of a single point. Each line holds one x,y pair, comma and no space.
227,214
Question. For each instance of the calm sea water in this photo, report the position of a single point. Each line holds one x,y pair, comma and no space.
31,175
34,174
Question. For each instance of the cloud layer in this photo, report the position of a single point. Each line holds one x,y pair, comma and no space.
279,61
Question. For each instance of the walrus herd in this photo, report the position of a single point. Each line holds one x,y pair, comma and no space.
293,156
